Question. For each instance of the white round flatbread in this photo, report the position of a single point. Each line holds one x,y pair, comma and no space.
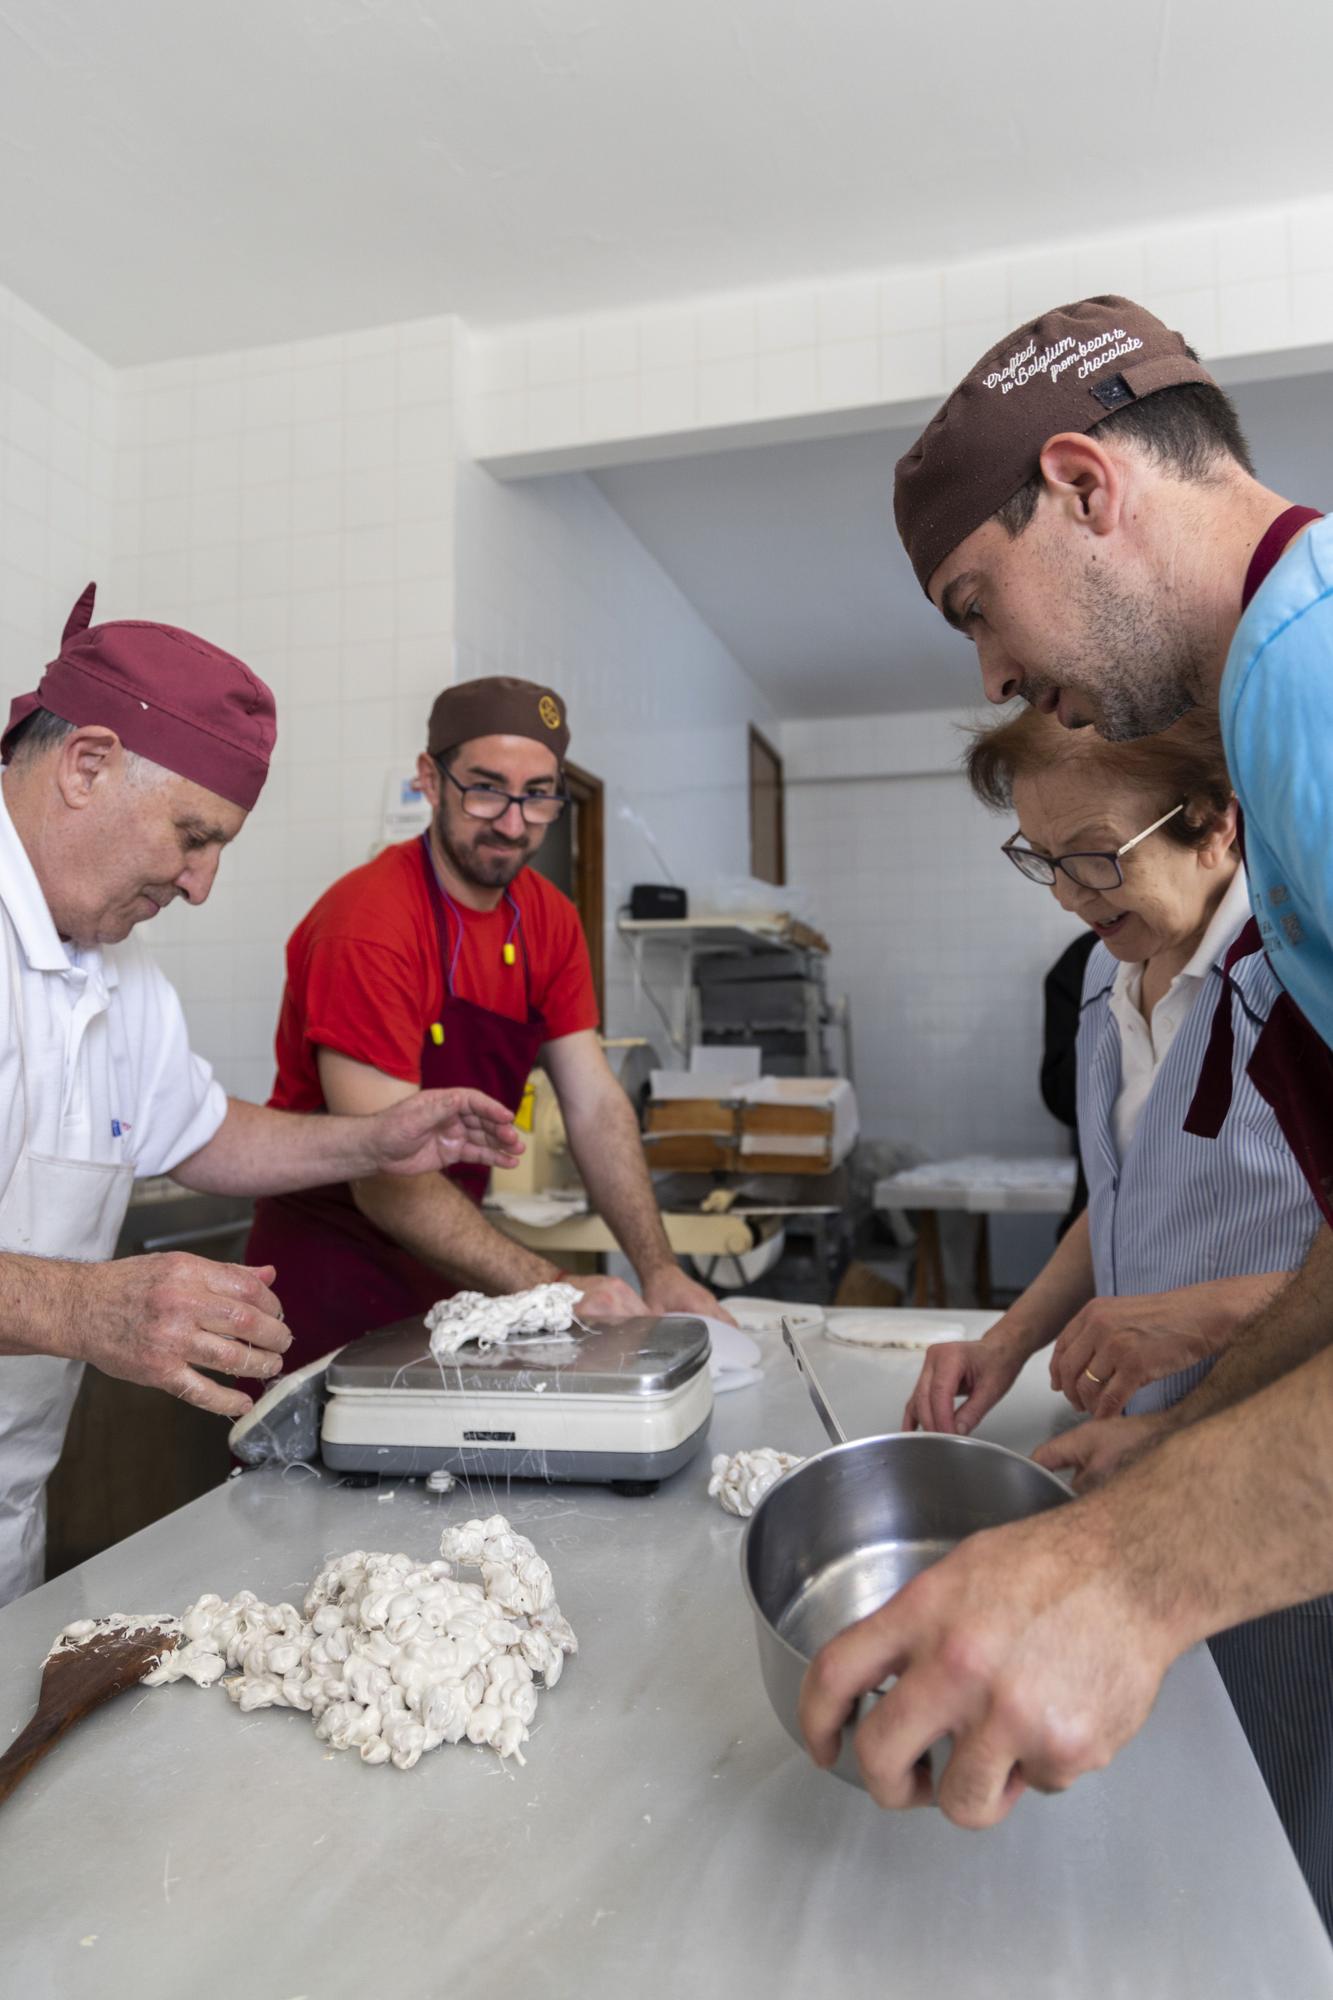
914,1330
767,1315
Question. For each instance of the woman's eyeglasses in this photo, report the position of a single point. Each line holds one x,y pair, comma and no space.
1089,871
488,802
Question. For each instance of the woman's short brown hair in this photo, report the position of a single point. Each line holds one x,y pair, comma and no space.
1184,762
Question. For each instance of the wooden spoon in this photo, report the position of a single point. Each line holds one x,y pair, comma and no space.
76,1680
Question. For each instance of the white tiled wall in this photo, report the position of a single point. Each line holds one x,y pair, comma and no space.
296,505
553,586
940,945
576,391
57,456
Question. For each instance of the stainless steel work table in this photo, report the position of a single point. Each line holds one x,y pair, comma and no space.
665,1838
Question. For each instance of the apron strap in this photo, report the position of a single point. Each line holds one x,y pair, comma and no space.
1271,544
1212,1095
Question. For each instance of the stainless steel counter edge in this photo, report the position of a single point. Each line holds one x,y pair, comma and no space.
664,1838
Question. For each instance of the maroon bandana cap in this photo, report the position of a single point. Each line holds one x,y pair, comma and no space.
169,697
1063,372
498,706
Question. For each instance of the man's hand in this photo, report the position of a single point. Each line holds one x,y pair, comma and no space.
607,1298
669,1290
1114,1346
1025,1645
159,1320
438,1128
1091,1452
960,1368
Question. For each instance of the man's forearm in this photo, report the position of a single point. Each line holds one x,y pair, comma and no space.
1230,1518
1296,1324
38,1305
258,1151
437,1222
607,1148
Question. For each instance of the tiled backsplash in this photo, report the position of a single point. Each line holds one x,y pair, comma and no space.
306,505
57,468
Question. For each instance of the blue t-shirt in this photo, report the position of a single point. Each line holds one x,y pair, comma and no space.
1276,705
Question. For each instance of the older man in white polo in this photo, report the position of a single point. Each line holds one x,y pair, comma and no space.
127,772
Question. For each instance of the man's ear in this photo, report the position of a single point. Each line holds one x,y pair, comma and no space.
83,761
428,779
1084,481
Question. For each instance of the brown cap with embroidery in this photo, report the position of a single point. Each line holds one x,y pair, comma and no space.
1065,371
498,706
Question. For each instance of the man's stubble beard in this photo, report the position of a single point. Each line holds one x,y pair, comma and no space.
507,863
1138,666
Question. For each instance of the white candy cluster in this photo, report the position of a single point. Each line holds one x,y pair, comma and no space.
472,1317
390,1656
741,1482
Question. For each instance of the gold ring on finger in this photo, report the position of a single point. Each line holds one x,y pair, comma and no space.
1093,1378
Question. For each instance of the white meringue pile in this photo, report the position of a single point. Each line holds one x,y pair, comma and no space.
472,1317
391,1656
740,1482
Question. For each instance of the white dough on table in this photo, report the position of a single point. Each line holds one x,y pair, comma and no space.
740,1482
389,1655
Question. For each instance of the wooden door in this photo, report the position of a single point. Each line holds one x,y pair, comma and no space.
768,840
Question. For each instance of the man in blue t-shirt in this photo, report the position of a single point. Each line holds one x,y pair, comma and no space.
1083,508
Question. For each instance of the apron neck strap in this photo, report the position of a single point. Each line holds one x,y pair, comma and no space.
441,900
1271,544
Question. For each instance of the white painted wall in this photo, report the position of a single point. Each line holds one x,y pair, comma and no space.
294,504
883,346
57,459
554,587
939,943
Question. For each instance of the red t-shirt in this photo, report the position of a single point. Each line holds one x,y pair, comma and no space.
364,976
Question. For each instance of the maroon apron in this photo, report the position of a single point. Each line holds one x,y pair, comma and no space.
338,1275
1291,1066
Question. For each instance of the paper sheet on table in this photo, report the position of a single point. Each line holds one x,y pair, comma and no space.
734,1360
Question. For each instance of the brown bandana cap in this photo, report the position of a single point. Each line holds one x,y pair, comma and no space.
1065,371
498,706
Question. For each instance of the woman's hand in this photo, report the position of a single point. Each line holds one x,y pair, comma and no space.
1090,1453
1114,1346
979,1371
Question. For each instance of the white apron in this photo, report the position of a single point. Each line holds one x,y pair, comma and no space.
50,1208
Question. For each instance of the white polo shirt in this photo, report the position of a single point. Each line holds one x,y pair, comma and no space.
110,1075
1144,1045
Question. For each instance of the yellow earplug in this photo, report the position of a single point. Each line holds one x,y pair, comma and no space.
511,956
436,1033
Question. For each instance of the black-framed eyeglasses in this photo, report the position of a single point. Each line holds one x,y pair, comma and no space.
1089,871
489,802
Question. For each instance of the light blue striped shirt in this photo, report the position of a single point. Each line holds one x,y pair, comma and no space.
1179,1210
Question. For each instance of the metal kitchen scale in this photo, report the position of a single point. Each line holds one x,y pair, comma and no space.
622,1402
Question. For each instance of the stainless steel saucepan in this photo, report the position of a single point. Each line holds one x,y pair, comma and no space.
839,1535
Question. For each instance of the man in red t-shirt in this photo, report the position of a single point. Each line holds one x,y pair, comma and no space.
446,959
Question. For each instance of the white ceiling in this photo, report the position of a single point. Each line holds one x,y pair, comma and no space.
789,553
180,179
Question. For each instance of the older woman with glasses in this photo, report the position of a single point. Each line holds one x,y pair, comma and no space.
1184,1237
